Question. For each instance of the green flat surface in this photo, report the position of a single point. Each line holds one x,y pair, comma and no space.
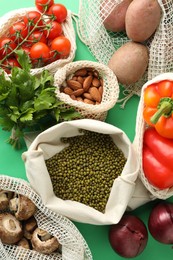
12,164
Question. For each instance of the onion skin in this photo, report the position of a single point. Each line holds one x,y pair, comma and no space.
129,237
160,223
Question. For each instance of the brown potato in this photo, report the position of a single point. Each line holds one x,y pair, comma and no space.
115,21
129,62
142,19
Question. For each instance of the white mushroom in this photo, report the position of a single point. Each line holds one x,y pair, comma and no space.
10,229
24,243
43,242
5,196
22,207
29,226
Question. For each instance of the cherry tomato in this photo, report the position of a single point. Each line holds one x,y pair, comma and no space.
43,5
62,45
9,63
18,31
52,30
37,36
7,45
54,56
32,18
59,12
26,49
40,50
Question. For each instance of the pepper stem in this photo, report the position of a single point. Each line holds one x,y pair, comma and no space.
164,109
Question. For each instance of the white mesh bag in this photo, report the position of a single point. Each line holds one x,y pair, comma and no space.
102,44
68,30
48,143
110,89
138,142
74,247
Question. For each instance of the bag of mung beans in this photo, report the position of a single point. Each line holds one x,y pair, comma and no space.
83,169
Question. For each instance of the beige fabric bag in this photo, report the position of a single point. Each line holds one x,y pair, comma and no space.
9,18
48,143
74,246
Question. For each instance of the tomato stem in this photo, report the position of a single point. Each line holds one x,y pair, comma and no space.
164,109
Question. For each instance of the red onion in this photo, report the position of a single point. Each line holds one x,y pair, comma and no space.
160,223
129,237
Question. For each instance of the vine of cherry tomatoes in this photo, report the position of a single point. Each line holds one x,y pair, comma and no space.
39,33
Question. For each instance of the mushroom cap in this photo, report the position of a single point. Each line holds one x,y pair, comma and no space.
24,243
43,242
5,196
29,226
24,208
10,229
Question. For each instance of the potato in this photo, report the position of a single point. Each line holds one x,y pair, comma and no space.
115,21
142,19
129,62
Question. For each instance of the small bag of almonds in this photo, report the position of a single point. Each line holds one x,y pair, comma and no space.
90,87
84,169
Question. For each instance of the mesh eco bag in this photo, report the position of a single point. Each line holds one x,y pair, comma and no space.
110,89
138,141
48,143
9,18
74,247
103,44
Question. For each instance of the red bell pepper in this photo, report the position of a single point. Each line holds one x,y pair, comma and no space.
157,159
158,107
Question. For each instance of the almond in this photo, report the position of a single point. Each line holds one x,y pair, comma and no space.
80,79
87,95
96,82
79,99
73,97
101,81
78,92
87,83
101,90
95,94
88,101
74,78
74,84
81,72
68,91
96,73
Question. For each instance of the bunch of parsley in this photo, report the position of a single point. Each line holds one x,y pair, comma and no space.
28,102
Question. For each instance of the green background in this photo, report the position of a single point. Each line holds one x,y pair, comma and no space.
12,164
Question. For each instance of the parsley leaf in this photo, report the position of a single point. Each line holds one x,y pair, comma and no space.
29,102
